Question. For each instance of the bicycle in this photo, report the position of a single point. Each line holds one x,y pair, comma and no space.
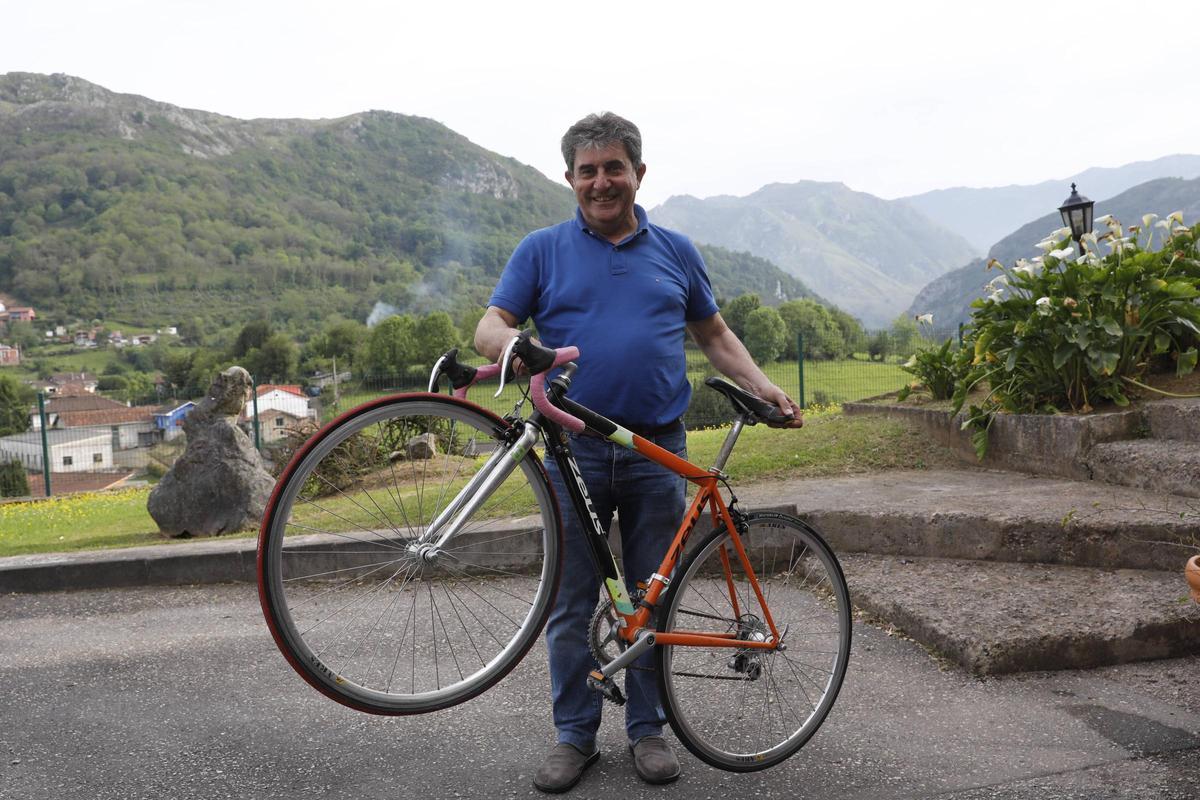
409,559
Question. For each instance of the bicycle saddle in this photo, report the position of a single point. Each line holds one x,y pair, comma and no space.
757,409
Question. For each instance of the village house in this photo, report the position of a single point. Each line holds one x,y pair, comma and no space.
126,427
69,383
169,418
280,408
19,314
70,450
9,356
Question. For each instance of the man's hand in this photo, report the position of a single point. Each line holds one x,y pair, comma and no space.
773,394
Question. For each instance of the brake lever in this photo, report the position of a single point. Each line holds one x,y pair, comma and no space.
505,358
436,374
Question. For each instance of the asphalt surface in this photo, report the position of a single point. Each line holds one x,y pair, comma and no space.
179,692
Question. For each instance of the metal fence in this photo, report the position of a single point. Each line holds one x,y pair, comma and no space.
70,451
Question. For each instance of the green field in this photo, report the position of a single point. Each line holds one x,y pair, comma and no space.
825,382
829,444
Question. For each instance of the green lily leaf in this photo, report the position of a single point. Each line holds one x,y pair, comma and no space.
1063,353
1187,323
1183,289
1187,362
1110,326
1162,342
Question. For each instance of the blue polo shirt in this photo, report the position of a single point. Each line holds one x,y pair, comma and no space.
625,306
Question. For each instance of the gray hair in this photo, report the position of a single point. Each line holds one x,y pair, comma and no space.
599,130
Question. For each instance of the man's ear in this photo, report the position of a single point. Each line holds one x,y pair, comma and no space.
641,173
570,176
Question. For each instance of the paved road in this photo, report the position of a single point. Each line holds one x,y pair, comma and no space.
180,693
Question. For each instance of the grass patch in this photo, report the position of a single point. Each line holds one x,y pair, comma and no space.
829,444
85,521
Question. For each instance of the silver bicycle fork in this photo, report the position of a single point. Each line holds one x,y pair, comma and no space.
483,483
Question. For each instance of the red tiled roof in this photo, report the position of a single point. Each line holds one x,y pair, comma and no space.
65,404
291,388
106,416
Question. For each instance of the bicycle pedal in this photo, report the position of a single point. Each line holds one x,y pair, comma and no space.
606,687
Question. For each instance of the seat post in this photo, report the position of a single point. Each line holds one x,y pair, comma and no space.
730,440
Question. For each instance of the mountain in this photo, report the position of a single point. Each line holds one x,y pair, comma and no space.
949,297
114,205
983,216
117,207
869,256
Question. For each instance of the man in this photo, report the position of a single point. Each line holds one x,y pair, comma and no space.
624,292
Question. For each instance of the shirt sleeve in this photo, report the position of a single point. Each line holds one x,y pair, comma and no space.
700,304
517,290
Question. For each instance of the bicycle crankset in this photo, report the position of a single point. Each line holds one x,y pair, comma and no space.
603,638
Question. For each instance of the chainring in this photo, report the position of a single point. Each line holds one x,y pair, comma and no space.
603,639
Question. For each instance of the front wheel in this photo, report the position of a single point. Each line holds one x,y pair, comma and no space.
361,604
745,709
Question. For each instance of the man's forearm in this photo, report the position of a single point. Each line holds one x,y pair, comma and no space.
493,333
731,358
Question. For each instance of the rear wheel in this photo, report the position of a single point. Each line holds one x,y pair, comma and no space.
366,611
745,709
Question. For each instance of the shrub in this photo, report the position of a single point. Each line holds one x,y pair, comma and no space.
708,408
1060,332
936,371
13,481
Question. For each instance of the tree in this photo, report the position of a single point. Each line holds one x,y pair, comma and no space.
14,406
391,347
436,334
822,335
736,312
253,334
904,335
852,330
275,361
341,339
766,334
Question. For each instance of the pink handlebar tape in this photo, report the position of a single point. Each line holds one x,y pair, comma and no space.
537,388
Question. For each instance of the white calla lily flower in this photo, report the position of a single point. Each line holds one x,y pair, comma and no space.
1046,245
1060,233
1043,302
1177,216
1104,219
925,319
1065,252
1147,219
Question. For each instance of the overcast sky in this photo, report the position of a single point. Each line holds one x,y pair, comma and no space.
892,98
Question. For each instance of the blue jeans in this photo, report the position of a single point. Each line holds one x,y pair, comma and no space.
649,500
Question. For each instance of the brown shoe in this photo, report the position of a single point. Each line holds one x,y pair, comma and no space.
563,767
654,761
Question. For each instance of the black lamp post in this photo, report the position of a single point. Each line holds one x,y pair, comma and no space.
1077,213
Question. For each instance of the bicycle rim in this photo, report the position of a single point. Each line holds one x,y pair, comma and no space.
357,609
742,709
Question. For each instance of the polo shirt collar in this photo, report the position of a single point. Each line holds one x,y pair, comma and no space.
643,222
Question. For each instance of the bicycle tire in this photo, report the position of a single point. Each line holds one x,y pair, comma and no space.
356,609
743,709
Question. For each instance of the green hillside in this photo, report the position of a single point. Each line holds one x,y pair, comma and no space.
123,209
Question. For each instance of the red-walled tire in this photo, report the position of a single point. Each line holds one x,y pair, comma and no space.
360,610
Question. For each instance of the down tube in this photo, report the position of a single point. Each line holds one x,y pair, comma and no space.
597,538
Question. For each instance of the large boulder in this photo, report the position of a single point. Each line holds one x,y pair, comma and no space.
220,484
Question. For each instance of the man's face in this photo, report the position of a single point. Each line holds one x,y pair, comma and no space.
605,185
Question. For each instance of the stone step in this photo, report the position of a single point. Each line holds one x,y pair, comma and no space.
993,516
1174,419
992,618
1170,466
